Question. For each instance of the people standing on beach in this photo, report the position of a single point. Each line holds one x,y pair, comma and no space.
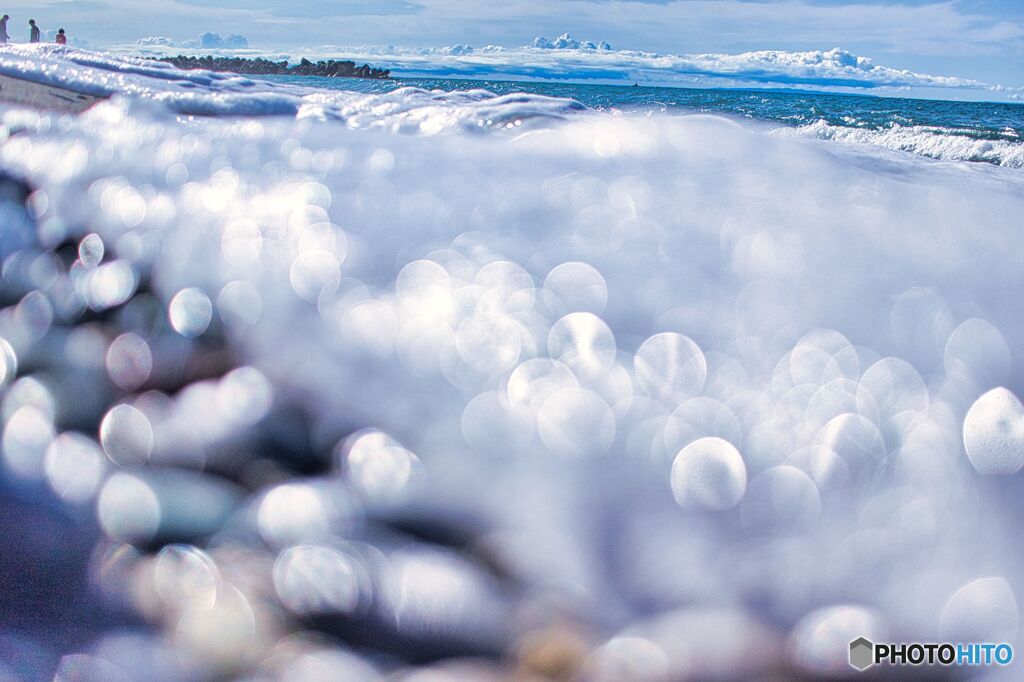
33,34
62,39
3,30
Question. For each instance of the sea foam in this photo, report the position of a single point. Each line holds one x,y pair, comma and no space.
473,377
934,142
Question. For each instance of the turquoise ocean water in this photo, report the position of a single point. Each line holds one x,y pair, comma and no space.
978,121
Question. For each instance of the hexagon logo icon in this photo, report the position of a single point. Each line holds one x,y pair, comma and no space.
862,653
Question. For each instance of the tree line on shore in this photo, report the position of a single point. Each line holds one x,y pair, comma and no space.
264,67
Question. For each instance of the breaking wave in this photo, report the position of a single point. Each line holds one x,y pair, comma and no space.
937,143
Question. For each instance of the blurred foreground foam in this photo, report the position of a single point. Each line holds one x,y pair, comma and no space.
647,399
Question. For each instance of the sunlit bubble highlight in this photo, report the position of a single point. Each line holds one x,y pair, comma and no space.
378,465
781,498
26,437
854,439
583,342
823,356
994,433
295,513
921,322
312,579
224,636
129,361
820,642
534,381
33,316
670,367
892,386
128,509
240,304
823,465
315,275
74,467
628,658
700,418
91,250
489,343
185,577
979,351
190,312
109,285
126,435
8,363
431,591
244,396
505,288
708,474
28,391
984,610
575,287
373,324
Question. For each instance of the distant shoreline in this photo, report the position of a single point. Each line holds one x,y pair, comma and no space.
264,67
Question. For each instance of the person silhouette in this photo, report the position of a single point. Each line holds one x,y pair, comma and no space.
3,30
33,34
62,39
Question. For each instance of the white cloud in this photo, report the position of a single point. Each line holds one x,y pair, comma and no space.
948,35
155,41
834,70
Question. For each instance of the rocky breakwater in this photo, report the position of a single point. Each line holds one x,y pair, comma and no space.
264,67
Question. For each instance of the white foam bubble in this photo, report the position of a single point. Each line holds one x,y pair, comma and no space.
313,580
994,433
820,642
583,342
854,439
700,418
575,287
129,361
190,312
709,473
978,351
983,610
670,367
75,467
782,497
126,435
128,508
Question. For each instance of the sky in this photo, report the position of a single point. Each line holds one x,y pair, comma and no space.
972,39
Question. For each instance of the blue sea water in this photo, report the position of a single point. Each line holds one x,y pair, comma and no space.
976,120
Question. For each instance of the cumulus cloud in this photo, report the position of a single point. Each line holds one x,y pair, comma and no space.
207,41
567,58
570,59
155,41
567,41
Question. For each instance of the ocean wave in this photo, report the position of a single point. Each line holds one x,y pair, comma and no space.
407,110
208,93
936,143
